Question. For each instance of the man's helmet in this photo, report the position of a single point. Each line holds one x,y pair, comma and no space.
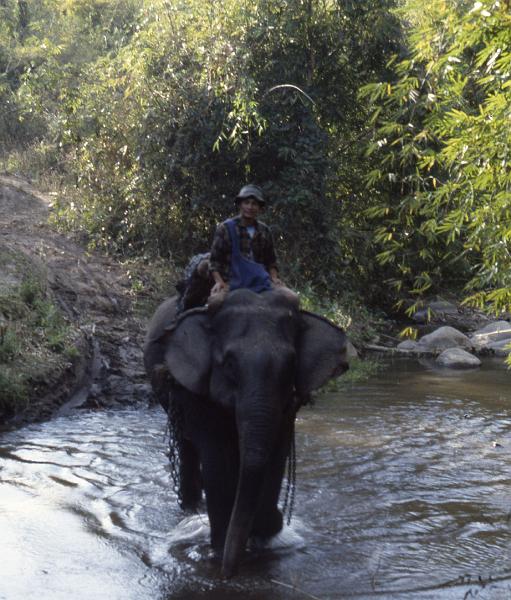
251,191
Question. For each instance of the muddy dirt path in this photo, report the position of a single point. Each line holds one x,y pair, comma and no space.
93,291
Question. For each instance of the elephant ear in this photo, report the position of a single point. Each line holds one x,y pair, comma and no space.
188,354
322,352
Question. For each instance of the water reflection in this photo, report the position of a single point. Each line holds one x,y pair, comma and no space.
404,491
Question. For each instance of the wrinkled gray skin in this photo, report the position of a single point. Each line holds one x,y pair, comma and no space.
236,378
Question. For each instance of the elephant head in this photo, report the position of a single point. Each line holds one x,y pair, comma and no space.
253,357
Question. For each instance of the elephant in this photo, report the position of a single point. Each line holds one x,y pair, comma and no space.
236,375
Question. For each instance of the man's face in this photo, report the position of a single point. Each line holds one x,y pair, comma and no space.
249,208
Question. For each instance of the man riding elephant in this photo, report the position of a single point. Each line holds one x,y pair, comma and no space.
232,376
243,255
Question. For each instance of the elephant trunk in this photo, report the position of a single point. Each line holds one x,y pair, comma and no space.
245,506
257,437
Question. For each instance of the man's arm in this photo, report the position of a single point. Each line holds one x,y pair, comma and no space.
220,284
274,275
270,258
219,259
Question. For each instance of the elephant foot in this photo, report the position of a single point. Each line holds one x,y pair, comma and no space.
268,524
218,542
215,557
190,487
191,504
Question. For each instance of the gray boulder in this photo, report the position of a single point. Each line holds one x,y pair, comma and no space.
491,333
435,309
407,346
456,358
500,348
443,338
421,316
351,351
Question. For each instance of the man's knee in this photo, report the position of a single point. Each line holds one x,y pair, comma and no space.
287,293
216,299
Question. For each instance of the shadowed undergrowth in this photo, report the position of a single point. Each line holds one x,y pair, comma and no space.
36,340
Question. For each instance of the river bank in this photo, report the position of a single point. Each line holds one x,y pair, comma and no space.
72,326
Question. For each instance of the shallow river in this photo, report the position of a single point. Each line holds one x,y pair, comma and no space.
403,491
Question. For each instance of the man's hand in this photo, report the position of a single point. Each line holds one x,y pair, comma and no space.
220,286
274,276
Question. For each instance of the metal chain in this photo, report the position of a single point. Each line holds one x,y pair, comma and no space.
175,425
289,498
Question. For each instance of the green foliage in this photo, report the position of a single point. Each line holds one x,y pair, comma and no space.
34,336
152,280
153,114
44,46
9,344
348,311
35,317
13,392
49,321
158,112
359,371
441,179
334,311
30,290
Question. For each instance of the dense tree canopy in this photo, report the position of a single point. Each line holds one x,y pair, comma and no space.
380,133
441,176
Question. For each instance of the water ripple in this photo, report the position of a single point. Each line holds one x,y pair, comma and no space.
403,492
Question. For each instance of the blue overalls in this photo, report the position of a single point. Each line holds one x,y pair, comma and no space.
245,273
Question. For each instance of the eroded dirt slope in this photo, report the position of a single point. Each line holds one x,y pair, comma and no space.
93,291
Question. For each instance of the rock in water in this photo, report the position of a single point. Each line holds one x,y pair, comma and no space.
456,358
443,338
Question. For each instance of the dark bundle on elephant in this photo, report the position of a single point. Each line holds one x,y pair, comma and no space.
196,283
237,375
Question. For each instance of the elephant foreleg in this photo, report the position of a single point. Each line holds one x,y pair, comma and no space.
211,440
268,519
183,455
190,482
220,467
